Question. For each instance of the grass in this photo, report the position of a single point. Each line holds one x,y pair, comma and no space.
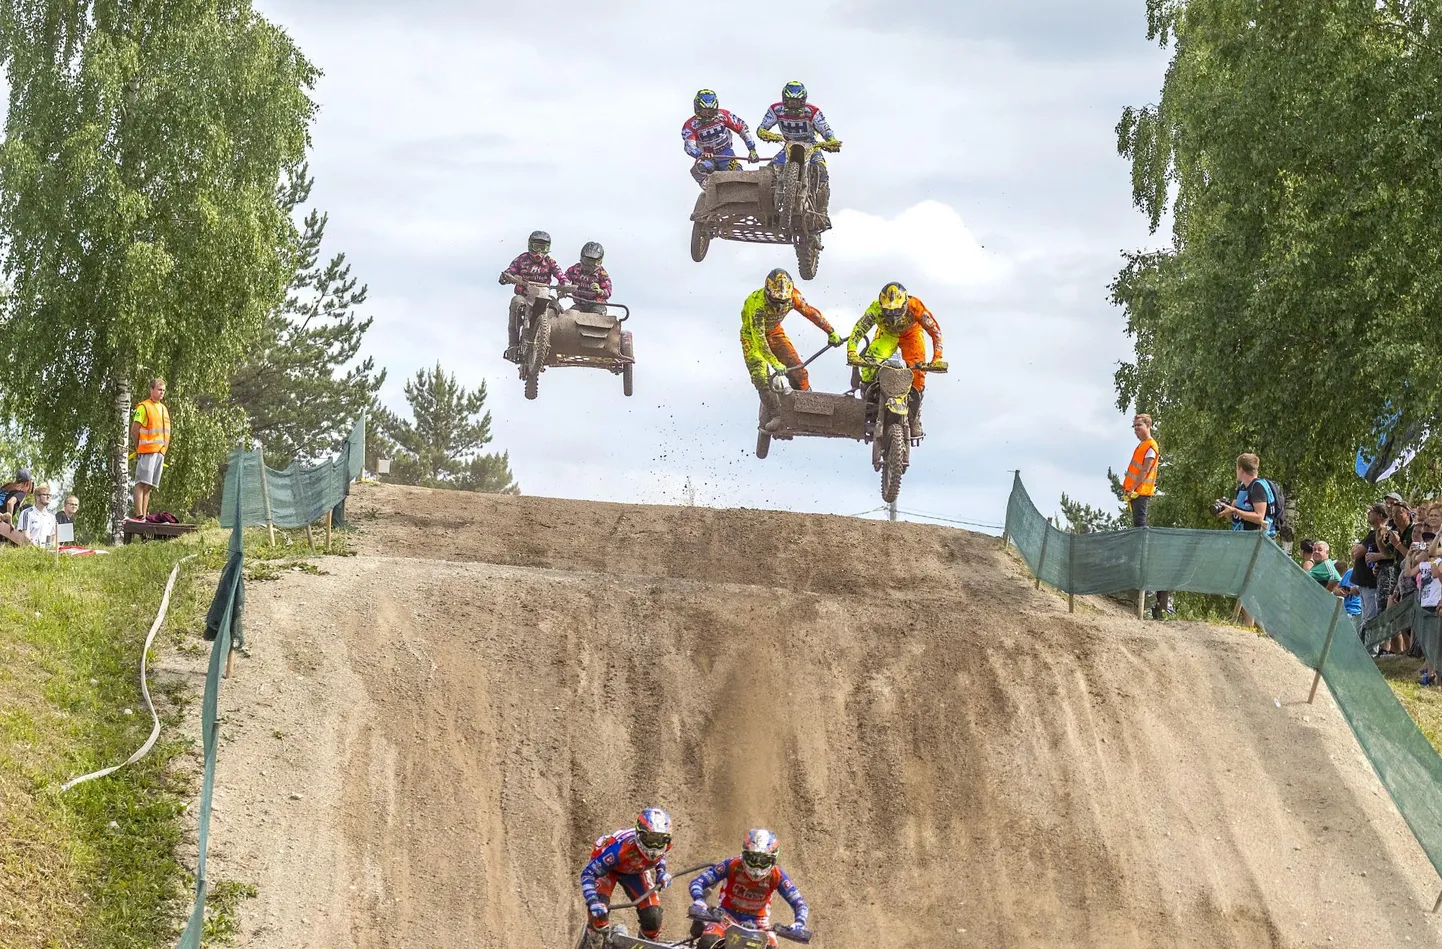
97,866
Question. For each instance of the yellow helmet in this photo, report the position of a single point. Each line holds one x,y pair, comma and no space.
779,286
892,300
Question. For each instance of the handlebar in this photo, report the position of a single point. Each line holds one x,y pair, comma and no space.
715,914
919,367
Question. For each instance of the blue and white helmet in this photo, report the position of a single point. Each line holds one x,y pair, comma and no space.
758,853
653,832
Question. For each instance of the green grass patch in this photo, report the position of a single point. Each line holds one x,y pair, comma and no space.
96,866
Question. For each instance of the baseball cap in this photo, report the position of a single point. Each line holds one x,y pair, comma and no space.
1394,496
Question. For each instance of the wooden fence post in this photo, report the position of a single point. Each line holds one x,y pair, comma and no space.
264,490
1247,580
1041,561
1326,648
1142,575
1071,573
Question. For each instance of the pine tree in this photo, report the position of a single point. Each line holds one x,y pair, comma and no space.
441,446
1085,519
298,386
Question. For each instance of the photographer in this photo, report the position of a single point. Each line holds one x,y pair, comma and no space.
1254,507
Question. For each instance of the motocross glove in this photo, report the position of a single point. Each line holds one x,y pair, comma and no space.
598,910
831,145
663,880
753,155
852,359
699,906
596,289
940,365
835,338
766,135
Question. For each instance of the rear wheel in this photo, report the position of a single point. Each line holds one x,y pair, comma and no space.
627,350
540,348
700,242
808,258
892,463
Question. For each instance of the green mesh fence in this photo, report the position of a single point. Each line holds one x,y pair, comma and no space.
223,628
1293,608
293,497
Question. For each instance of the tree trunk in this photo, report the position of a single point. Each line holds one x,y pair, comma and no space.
119,466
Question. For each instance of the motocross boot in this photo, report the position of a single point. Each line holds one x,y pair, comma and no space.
771,402
916,395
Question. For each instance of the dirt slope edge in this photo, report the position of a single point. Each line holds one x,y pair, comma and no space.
980,770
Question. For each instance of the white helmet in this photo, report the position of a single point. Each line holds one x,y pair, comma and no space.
758,853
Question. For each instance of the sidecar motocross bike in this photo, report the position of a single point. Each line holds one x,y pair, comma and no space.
783,203
585,334
878,412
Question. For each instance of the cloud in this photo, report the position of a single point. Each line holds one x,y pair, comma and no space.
929,238
983,175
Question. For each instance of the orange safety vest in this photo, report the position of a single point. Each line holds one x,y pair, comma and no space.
1133,481
155,432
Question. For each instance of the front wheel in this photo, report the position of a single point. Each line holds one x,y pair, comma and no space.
790,195
627,350
700,242
540,348
893,462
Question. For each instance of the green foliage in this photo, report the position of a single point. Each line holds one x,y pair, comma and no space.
17,450
1295,147
297,386
143,150
441,446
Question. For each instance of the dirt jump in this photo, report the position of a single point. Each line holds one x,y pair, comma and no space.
430,735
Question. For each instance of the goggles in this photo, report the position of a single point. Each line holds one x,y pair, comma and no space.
759,861
653,840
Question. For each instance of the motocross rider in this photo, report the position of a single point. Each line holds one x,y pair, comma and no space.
592,283
747,883
798,122
707,137
899,319
534,266
764,343
634,857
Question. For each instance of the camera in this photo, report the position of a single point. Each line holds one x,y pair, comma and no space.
1218,507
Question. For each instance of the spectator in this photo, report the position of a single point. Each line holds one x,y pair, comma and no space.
1140,486
68,511
1253,508
12,496
1362,553
1350,594
1322,569
150,433
36,521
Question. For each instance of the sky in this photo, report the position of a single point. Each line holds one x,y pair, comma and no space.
979,168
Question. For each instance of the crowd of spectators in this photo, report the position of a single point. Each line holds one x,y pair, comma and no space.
1399,558
25,506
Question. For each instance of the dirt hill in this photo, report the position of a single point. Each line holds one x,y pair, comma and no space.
431,735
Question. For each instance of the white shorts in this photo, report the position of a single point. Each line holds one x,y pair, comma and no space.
148,468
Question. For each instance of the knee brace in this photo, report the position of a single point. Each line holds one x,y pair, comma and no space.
650,917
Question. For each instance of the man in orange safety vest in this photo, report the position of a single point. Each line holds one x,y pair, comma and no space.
150,433
1140,485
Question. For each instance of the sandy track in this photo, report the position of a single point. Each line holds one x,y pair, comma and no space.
949,759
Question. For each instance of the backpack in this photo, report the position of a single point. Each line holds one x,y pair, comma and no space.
1281,524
